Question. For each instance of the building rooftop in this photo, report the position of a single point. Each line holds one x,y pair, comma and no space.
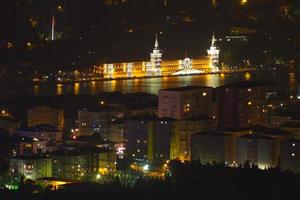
9,119
293,140
39,128
31,157
102,109
149,118
79,150
291,124
186,88
256,136
272,132
246,84
209,133
25,139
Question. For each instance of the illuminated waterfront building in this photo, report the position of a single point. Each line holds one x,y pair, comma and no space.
159,67
213,54
154,69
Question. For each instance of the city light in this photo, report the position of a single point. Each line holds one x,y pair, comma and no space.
98,176
146,167
243,2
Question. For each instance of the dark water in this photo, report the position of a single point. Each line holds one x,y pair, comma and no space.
153,85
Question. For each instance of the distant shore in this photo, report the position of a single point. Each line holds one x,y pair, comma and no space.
144,77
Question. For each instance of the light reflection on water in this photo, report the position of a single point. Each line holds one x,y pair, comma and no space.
153,85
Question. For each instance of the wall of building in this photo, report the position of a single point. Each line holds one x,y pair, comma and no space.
208,148
31,168
45,115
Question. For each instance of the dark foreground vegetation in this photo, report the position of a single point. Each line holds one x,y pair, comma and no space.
184,181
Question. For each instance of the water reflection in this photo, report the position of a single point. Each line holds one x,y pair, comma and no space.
76,88
293,84
247,76
153,85
36,89
59,89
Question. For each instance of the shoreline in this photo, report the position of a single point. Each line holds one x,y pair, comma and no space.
143,77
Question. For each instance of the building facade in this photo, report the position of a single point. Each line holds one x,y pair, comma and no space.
159,67
258,150
186,102
239,105
42,132
209,147
45,115
159,139
79,165
28,146
31,167
290,155
97,121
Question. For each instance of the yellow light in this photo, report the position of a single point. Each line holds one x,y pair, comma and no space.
98,176
247,76
243,2
10,45
28,44
204,94
249,103
60,8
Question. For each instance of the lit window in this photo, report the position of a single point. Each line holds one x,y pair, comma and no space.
249,103
187,108
204,94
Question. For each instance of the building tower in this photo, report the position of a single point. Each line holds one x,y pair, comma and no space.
213,54
53,27
155,68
